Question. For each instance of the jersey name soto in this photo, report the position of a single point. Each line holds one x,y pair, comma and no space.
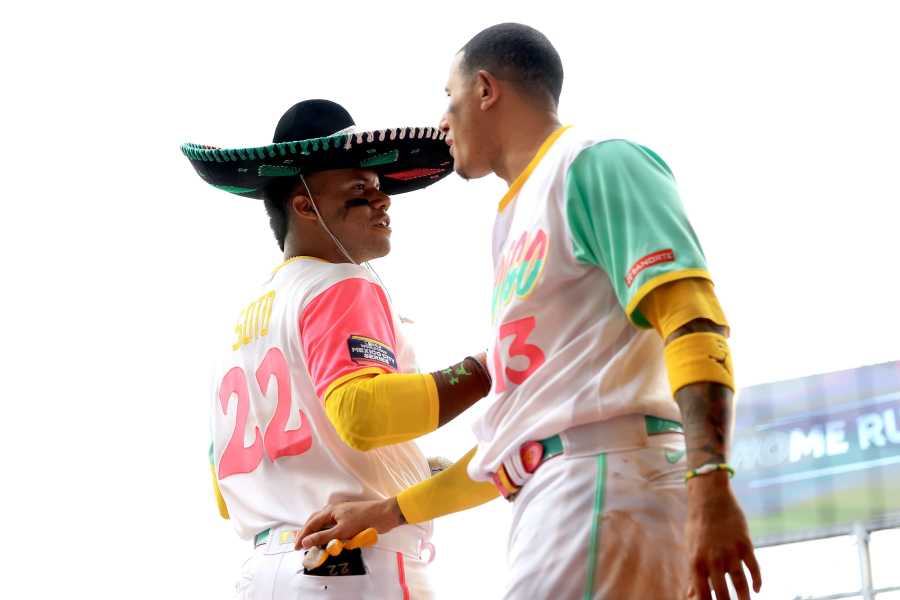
253,323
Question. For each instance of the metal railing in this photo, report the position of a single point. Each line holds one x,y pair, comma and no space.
865,570
874,593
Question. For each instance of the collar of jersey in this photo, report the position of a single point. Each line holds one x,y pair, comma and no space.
523,176
295,259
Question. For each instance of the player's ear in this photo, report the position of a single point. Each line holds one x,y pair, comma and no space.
488,89
302,207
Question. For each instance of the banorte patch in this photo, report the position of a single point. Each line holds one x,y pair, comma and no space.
656,258
367,350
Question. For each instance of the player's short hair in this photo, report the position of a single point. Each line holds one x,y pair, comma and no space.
276,202
517,53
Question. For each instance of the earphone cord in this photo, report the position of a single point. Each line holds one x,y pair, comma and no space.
338,243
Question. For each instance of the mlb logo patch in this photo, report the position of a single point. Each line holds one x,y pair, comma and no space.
368,350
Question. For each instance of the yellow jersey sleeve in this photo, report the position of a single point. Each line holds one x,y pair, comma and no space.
370,409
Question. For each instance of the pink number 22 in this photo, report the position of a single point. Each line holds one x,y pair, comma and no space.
278,441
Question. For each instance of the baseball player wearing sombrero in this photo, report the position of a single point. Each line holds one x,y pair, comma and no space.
618,482
317,369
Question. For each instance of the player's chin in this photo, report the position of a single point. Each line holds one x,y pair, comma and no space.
459,166
468,171
380,244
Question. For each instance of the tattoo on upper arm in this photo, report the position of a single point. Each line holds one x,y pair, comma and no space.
705,407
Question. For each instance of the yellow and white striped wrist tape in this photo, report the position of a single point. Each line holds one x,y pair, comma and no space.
707,469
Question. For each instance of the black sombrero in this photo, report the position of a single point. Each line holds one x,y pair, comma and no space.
319,135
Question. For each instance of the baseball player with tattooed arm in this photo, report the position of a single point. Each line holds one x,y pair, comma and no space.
317,394
608,422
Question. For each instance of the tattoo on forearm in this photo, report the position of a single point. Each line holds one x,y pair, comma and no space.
459,372
453,373
706,409
459,387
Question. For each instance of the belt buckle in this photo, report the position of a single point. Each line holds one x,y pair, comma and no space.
532,454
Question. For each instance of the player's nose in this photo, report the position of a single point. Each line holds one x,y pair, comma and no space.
380,201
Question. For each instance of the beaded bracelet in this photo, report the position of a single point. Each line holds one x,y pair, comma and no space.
707,469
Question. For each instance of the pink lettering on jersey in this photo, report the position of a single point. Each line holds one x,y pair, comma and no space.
534,357
279,441
519,269
237,458
332,324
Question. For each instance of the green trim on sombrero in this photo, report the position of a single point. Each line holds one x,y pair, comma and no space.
234,189
405,158
209,154
380,159
277,171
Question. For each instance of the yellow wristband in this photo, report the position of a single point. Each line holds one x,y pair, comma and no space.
699,358
707,469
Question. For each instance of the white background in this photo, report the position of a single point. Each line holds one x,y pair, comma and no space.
121,270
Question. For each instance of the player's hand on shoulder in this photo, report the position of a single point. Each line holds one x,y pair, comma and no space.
718,541
344,520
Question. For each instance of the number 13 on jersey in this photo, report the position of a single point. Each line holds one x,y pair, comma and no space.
533,356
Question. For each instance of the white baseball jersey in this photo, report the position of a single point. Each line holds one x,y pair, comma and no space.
589,228
312,325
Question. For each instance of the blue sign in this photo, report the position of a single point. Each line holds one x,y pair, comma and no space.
816,455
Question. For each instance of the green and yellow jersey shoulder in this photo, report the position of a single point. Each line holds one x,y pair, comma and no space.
625,217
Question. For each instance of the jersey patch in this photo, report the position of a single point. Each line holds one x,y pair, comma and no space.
656,258
363,349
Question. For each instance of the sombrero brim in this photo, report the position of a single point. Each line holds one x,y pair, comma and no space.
405,159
